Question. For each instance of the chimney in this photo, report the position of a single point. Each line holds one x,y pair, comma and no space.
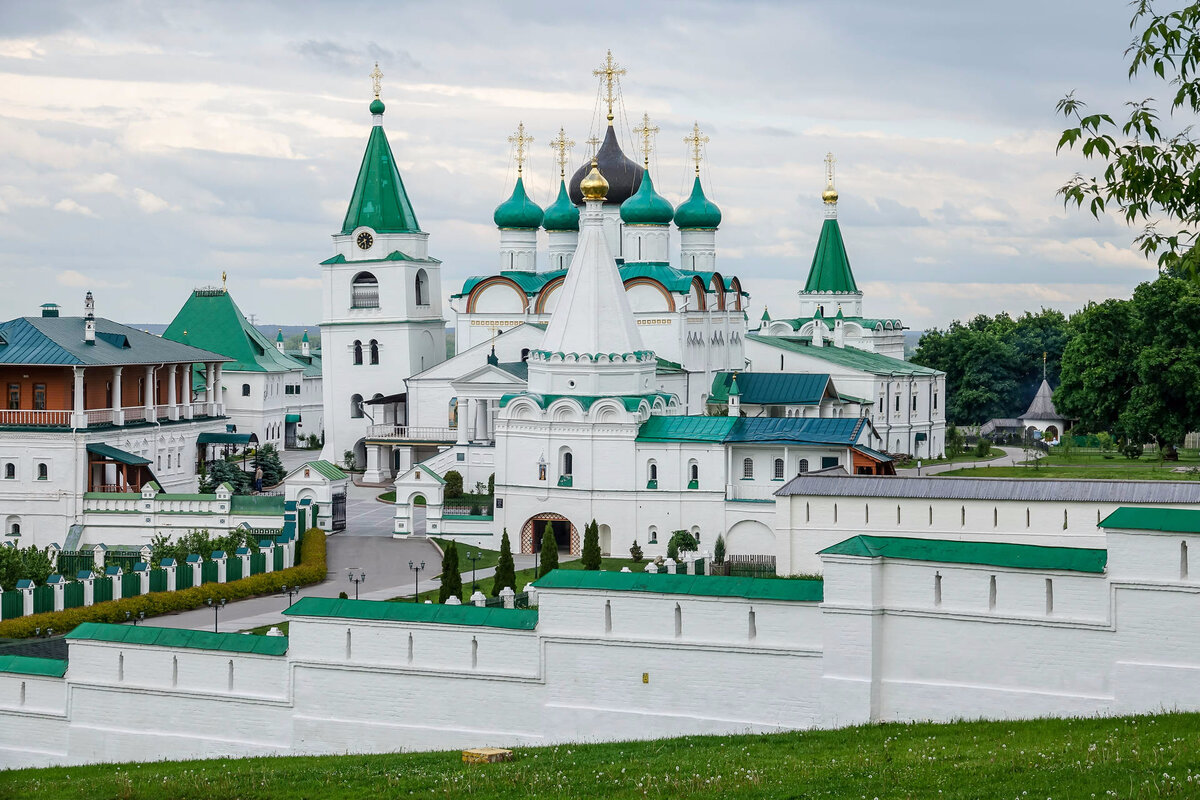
89,319
49,309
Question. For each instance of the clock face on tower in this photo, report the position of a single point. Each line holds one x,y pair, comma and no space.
365,240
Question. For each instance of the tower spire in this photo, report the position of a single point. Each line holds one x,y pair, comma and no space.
696,142
376,79
611,73
646,133
561,144
520,140
830,195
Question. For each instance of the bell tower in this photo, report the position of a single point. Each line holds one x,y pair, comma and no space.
381,299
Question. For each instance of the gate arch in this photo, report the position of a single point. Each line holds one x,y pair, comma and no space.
537,523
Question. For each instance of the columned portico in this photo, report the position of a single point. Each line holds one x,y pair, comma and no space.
209,381
151,390
218,398
79,416
172,400
118,410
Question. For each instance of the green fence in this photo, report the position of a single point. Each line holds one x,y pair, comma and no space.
72,562
12,604
183,577
43,598
208,572
278,562
102,589
158,580
131,584
73,595
258,563
125,559
233,569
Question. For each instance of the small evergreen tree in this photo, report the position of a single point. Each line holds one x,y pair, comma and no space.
226,472
635,552
506,574
492,483
719,550
454,484
267,458
591,546
549,551
983,447
955,441
451,579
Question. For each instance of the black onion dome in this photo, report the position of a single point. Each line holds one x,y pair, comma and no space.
623,176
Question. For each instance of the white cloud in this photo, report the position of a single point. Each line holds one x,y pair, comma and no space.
77,280
290,283
20,48
103,183
12,197
69,206
150,202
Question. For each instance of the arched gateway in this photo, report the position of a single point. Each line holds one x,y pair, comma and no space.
564,533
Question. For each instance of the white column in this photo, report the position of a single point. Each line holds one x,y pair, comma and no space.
172,399
208,389
79,418
472,419
150,397
464,420
219,397
118,411
481,420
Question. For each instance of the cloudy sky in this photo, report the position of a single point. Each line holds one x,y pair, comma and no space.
147,147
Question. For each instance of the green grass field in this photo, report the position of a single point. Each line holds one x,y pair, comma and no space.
1136,472
524,576
966,457
490,557
1128,757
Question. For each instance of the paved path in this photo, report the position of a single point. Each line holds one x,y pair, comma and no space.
1013,456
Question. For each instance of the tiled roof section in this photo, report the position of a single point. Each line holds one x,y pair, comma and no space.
28,665
803,591
994,554
211,319
177,637
772,388
59,340
845,356
383,611
1042,406
518,369
1166,520
1019,489
765,430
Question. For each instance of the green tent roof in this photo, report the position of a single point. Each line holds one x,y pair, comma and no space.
379,201
382,610
804,591
995,554
211,320
1167,520
177,637
830,271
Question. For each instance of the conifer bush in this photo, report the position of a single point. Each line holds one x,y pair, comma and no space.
506,573
454,484
549,551
451,579
719,550
635,552
591,546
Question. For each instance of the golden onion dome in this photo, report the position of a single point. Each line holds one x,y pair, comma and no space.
830,194
593,186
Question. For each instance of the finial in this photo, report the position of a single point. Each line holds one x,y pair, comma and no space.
519,140
594,144
610,72
376,79
223,276
562,144
830,195
1043,365
594,186
646,132
696,141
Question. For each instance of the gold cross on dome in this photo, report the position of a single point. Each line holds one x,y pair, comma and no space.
611,72
519,140
562,144
829,162
696,142
594,143
646,132
376,79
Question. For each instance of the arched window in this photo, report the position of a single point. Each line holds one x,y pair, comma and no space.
364,291
12,526
748,468
374,352
802,467
421,289
779,469
694,472
652,535
357,352
567,460
653,471
524,353
245,390
43,472
10,471
356,406
452,416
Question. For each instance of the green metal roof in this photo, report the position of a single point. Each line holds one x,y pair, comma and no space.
379,201
675,280
395,255
631,402
1167,520
869,323
212,320
59,341
328,469
803,591
772,388
431,473
763,430
646,206
686,429
257,505
562,215
994,554
875,454
382,610
31,665
114,454
851,357
224,437
177,637
697,212
518,211
830,270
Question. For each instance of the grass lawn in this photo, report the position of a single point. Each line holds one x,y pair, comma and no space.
261,630
1125,757
966,457
525,576
1137,472
490,557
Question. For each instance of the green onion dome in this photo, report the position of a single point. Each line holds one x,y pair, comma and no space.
697,211
647,207
377,106
562,215
518,211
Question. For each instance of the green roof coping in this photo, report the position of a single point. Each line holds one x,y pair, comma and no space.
30,665
177,637
994,554
379,201
852,357
1166,520
801,591
257,504
437,614
328,469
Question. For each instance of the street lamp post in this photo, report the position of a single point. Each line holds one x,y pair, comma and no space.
416,568
355,579
473,558
141,617
289,591
216,607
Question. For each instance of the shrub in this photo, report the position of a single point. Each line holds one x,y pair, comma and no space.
549,551
310,570
719,550
591,546
1132,451
349,459
225,472
681,541
451,579
635,552
506,574
28,563
454,484
982,448
476,510
267,458
955,441
343,596
492,483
